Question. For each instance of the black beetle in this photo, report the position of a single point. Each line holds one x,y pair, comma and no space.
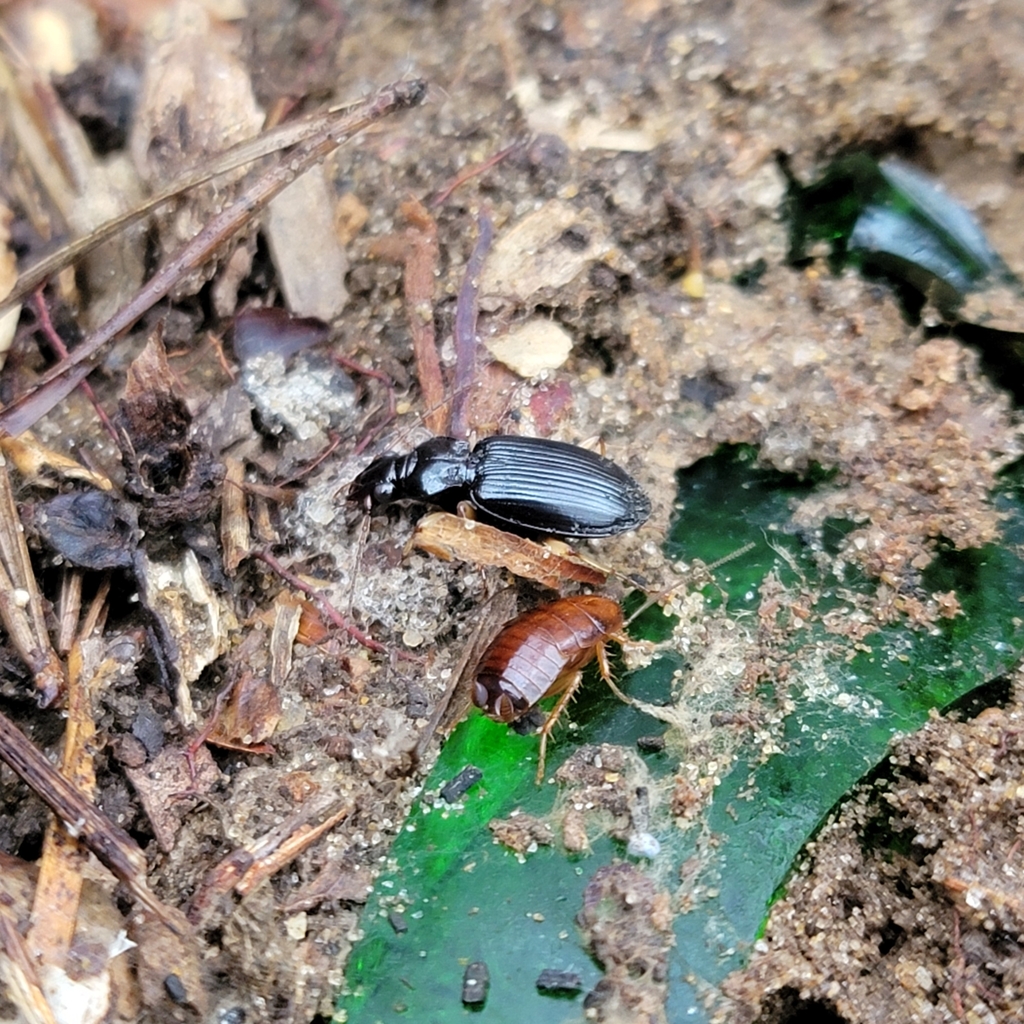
530,485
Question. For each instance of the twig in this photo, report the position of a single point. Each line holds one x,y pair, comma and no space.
59,885
325,606
353,367
279,847
957,968
235,536
472,171
454,702
248,151
112,845
247,867
61,380
466,310
61,350
417,250
21,605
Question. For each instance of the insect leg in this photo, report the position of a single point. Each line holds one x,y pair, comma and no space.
604,667
549,724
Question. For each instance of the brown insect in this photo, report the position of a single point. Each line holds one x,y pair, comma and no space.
543,653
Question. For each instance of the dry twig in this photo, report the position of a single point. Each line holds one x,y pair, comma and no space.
112,845
61,380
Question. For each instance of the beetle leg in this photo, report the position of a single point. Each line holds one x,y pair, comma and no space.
549,724
465,510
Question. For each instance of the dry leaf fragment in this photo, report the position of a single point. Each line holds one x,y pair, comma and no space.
521,833
169,788
89,529
543,252
196,100
162,955
447,536
169,472
8,276
250,715
101,989
44,467
195,623
532,348
311,264
337,881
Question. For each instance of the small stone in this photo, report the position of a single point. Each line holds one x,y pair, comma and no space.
529,350
475,983
559,981
461,784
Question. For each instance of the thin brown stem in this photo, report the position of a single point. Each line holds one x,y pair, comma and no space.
61,380
325,606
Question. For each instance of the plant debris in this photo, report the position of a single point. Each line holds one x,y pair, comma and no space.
254,676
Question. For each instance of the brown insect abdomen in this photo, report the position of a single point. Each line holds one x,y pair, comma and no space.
538,652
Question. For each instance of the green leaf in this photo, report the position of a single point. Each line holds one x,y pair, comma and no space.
466,898
894,221
762,814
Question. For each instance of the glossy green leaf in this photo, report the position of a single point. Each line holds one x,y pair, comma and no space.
894,221
763,814
465,898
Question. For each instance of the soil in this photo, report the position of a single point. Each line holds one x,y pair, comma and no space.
641,178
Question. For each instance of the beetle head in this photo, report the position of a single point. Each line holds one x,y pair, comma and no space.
377,483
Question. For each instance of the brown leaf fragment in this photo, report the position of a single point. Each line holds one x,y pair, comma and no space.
312,628
169,473
447,536
248,706
299,786
338,881
169,788
250,716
